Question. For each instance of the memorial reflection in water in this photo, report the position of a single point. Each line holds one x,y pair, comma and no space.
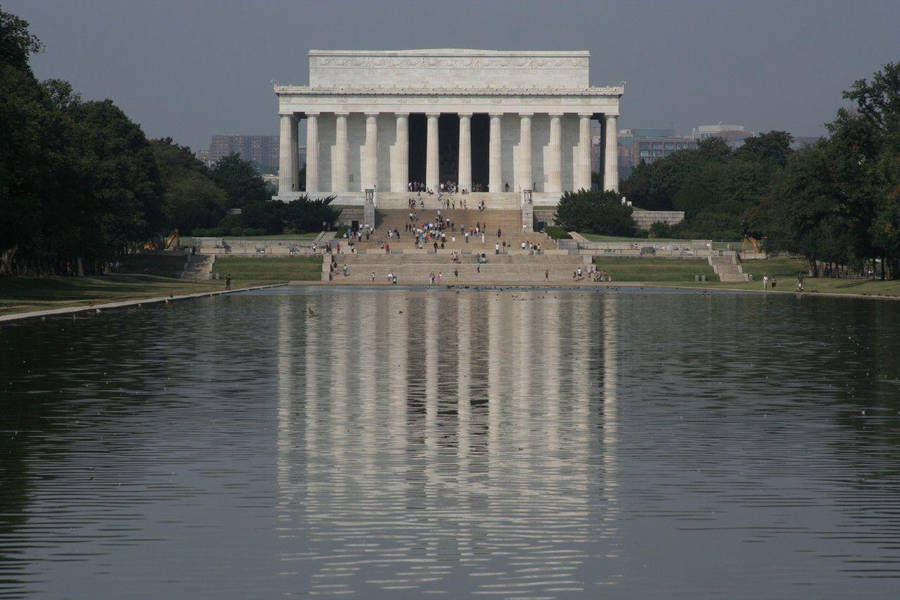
445,443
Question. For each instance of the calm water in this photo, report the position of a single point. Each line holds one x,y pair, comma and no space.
398,444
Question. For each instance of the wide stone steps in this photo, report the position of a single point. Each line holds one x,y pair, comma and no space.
418,274
727,268
501,201
444,258
198,267
507,221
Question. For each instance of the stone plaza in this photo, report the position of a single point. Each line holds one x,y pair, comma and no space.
501,127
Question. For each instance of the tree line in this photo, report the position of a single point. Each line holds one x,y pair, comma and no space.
835,202
80,183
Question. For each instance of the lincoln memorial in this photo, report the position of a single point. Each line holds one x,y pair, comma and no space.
500,125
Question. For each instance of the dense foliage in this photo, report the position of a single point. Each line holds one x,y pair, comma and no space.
595,212
713,185
80,184
191,198
837,201
78,181
273,217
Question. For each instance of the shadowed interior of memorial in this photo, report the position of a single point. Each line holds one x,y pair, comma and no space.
448,147
417,141
480,151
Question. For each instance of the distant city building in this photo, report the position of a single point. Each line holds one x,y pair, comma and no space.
203,156
734,135
651,149
649,145
261,150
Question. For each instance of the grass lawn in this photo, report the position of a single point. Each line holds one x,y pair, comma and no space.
865,287
781,268
596,237
252,270
23,294
681,270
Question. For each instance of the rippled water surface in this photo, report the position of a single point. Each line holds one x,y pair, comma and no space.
404,443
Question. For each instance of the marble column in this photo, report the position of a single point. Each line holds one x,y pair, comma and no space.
339,168
432,160
400,163
465,152
611,156
495,165
287,155
312,152
526,181
371,176
583,166
554,164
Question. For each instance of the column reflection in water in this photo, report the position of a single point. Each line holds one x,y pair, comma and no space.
286,430
610,429
521,385
392,501
365,337
495,384
464,420
432,332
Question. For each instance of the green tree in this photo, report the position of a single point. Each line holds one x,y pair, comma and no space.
242,184
773,148
864,149
595,212
637,188
124,182
17,44
25,126
304,215
191,199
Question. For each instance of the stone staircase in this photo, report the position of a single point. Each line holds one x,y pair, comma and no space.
499,200
727,268
198,266
416,268
458,261
509,222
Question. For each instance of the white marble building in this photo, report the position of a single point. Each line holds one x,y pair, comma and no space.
495,123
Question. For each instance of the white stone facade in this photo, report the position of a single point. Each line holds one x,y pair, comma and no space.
361,107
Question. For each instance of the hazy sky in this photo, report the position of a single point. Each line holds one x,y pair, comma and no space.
191,68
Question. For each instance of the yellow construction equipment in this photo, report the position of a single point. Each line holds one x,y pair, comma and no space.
173,240
752,243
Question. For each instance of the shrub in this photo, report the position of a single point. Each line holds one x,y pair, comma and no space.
595,212
557,233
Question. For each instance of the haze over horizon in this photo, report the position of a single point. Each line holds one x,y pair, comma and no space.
192,68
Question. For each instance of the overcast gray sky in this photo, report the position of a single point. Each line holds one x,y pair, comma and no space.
191,68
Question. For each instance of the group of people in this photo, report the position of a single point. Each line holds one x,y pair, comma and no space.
592,275
391,278
450,187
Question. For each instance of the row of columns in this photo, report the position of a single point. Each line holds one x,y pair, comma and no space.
289,167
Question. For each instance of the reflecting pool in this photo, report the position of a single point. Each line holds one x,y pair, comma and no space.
398,443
